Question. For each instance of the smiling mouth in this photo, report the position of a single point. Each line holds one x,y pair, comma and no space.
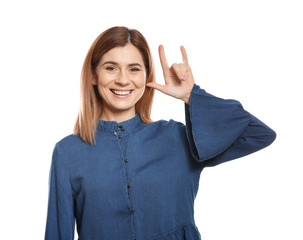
121,92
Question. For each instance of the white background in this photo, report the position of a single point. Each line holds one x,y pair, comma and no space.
250,51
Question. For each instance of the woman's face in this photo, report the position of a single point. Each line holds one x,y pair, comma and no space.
121,68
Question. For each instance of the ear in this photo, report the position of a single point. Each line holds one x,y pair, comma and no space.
94,79
94,82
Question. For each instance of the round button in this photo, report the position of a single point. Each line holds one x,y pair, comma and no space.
125,160
119,136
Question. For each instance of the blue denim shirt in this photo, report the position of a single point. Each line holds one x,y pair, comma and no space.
140,180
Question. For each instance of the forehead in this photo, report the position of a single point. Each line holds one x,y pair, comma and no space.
128,53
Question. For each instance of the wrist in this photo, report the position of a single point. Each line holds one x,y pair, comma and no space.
187,97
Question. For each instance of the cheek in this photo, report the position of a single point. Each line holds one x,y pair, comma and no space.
104,79
140,80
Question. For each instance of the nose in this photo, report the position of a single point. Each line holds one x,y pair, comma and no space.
122,78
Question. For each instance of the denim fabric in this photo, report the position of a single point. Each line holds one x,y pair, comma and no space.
140,180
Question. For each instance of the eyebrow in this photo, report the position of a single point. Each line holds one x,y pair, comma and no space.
112,62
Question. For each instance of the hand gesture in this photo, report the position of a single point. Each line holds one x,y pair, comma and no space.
179,80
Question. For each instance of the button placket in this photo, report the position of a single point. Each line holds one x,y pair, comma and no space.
119,132
127,182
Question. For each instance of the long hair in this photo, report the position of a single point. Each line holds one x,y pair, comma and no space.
90,99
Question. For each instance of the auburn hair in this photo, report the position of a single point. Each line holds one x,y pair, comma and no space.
90,100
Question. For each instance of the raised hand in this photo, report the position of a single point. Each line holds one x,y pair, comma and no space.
178,78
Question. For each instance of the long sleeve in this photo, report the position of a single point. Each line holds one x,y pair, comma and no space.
60,221
220,130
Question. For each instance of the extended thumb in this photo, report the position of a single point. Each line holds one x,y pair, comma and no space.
156,86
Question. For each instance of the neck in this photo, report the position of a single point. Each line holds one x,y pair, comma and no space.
118,116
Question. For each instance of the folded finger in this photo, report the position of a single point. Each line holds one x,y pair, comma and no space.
182,68
177,69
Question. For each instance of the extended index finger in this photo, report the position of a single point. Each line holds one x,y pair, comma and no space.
163,60
184,55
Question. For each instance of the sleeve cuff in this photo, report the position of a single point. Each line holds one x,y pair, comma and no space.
212,123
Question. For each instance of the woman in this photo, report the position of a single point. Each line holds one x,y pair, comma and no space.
122,176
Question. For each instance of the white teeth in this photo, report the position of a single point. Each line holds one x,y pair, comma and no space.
121,92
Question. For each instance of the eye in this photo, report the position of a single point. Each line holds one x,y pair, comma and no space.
110,68
135,69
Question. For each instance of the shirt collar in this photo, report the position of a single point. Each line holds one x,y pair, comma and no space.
121,127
